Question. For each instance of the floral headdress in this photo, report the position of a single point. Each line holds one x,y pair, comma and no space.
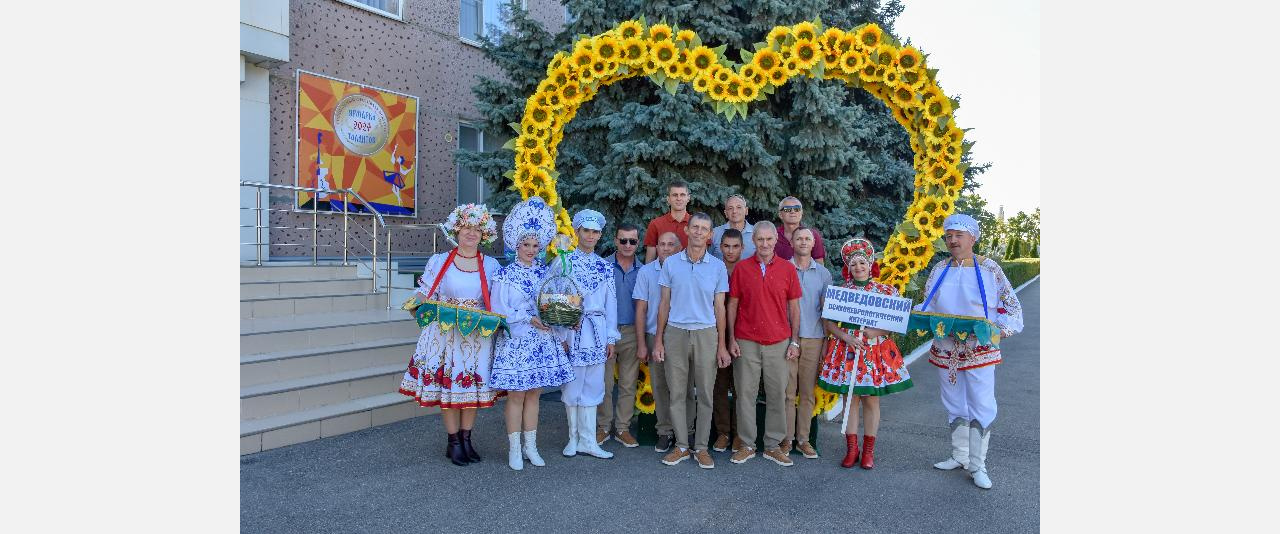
859,247
529,218
474,216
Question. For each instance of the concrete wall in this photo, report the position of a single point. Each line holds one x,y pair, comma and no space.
421,55
264,41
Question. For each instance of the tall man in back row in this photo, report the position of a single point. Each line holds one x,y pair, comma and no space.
673,221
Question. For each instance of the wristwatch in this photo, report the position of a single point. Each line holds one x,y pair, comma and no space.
794,344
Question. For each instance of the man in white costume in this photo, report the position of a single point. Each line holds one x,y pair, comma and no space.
972,286
592,342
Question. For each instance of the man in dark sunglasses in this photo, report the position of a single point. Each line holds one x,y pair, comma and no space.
625,270
791,213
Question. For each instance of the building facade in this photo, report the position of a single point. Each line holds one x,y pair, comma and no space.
423,48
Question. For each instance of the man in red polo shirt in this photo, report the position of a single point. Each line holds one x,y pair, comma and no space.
675,221
764,332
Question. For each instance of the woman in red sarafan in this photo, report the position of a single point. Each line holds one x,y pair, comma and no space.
868,354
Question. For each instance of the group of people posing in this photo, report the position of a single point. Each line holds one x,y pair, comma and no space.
712,310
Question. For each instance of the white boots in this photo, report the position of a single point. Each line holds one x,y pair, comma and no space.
959,447
978,439
571,413
513,452
531,448
587,433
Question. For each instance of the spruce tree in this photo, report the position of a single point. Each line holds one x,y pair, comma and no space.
836,148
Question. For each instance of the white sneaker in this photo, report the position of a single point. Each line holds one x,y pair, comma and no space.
531,448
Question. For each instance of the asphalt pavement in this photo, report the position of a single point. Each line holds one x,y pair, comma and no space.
395,478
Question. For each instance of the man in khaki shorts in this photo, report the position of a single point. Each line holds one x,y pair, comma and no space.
647,295
624,362
764,314
690,340
803,371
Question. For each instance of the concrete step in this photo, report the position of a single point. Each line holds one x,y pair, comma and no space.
304,288
267,273
280,398
325,421
294,364
262,335
282,306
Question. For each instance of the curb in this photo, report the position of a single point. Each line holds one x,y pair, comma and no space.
922,349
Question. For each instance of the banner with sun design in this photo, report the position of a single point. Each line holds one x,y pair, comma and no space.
352,136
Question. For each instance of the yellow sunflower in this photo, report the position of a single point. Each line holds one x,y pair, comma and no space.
913,78
721,74
539,116
869,73
903,96
538,157
570,94
747,92
540,178
804,31
673,70
937,107
852,61
731,90
805,52
526,189
629,29
885,54
634,51
685,35
548,193
659,32
778,77
766,60
831,41
687,72
890,77
650,66
910,58
701,84
663,53
869,36
642,374
719,91
644,400
582,57
702,58
848,42
945,208
557,61
777,35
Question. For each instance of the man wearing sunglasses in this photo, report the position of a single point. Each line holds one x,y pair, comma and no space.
625,271
791,212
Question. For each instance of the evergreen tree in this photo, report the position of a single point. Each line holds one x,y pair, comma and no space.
836,148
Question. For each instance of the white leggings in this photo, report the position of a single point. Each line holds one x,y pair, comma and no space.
972,397
586,388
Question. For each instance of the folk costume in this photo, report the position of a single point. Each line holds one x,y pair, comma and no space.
525,357
876,370
597,329
972,291
450,365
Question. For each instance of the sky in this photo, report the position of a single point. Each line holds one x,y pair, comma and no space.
988,54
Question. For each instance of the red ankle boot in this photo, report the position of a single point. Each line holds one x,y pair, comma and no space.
868,452
850,457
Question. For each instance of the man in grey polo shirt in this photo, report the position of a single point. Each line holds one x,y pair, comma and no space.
814,279
690,337
647,295
735,210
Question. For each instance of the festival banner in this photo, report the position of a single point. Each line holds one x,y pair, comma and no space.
868,309
352,136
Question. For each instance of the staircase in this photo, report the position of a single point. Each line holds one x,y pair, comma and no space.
320,355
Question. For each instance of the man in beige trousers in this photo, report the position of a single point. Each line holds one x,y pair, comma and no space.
803,371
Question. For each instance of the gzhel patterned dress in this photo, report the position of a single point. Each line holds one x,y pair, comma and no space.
527,357
877,370
448,369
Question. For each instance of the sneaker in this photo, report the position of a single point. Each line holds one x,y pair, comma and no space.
664,443
626,439
778,457
743,454
704,460
721,443
807,450
676,456
785,446
737,444
601,437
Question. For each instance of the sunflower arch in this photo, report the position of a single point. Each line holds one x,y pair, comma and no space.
863,57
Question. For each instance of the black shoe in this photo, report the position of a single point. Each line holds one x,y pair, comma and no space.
664,443
466,445
455,452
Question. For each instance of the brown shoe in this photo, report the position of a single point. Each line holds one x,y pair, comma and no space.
626,439
601,437
737,444
721,443
704,460
778,457
743,454
676,456
807,450
785,446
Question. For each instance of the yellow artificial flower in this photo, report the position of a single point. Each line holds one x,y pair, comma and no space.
869,73
659,32
685,35
701,84
570,94
885,54
687,72
722,74
557,61
945,208
630,29
848,42
767,60
804,31
747,92
539,116
663,53
702,58
777,34
540,178
869,36
606,48
528,142
650,66
634,51
548,193
910,59
538,157
582,57
778,77
831,41
937,107
852,61
904,96
805,53
719,91
890,78
913,78
673,70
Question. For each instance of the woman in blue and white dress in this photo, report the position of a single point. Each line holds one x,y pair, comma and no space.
529,357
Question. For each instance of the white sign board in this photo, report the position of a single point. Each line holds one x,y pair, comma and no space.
867,309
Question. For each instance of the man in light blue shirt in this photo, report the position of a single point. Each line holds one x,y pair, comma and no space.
735,210
691,326
647,295
626,268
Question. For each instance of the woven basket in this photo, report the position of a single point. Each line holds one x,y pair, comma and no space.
560,302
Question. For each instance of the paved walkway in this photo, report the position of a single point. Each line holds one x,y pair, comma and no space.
394,478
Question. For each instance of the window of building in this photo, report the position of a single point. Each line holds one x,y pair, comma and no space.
472,188
388,8
479,18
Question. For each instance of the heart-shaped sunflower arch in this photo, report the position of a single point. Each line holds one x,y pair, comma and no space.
864,57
